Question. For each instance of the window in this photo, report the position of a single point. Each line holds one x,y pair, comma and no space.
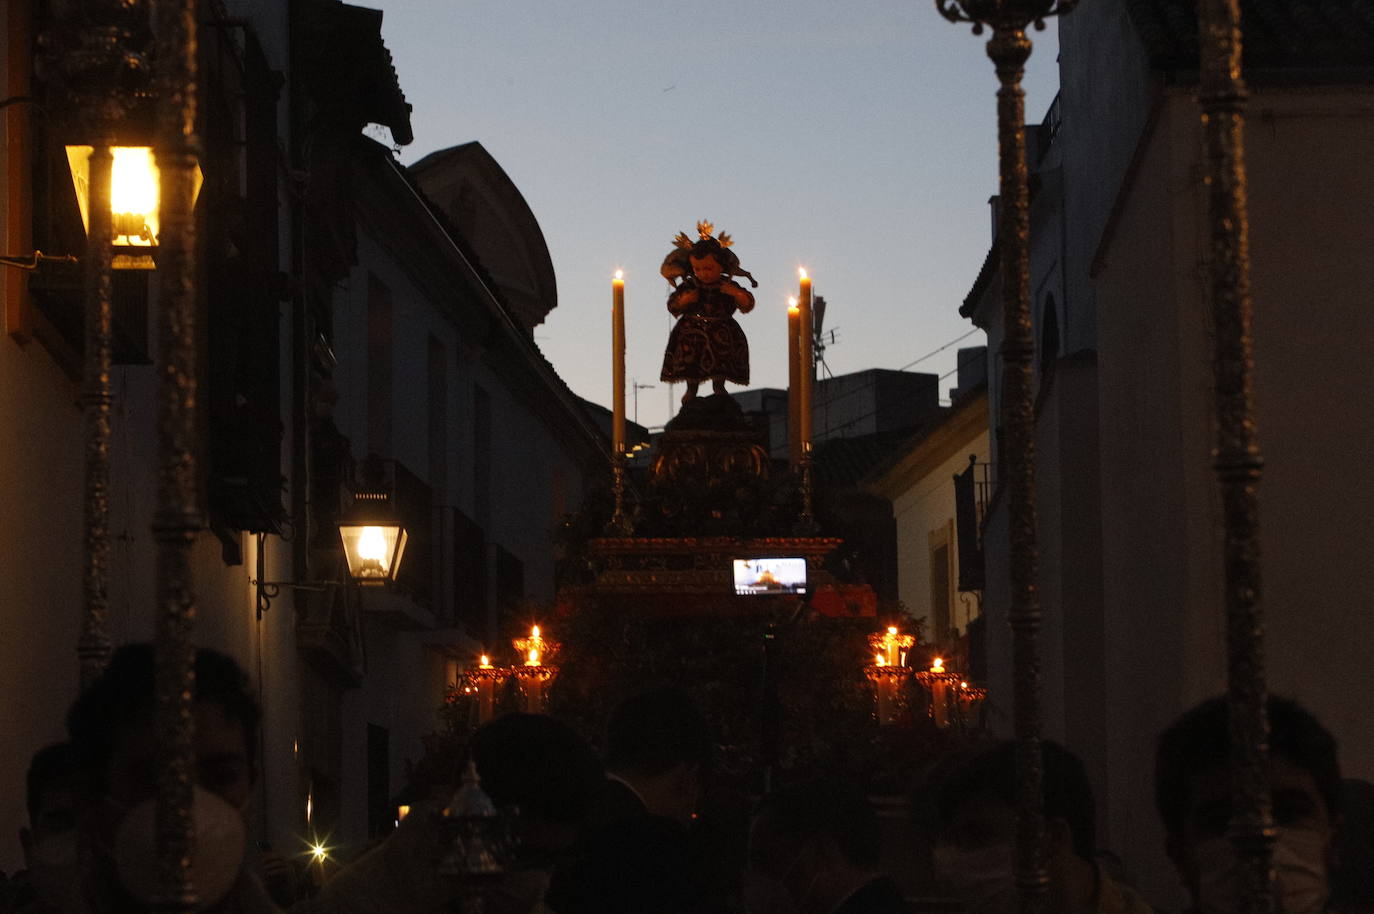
941,581
379,366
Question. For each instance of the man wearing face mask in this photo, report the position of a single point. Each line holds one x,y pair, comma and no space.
1193,794
114,741
813,849
115,750
975,808
49,843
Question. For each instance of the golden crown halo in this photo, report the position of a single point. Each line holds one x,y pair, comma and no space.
705,229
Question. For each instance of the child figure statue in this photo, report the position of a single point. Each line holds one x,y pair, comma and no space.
706,342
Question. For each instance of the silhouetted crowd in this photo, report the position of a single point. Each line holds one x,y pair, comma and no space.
642,829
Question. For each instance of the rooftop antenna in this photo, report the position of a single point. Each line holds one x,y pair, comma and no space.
822,339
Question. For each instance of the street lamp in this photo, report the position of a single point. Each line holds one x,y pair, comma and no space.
134,192
374,540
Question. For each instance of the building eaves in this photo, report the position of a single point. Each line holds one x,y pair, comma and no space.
843,462
980,285
934,444
1310,35
343,59
515,340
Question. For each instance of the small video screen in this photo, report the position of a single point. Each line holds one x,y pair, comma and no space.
770,576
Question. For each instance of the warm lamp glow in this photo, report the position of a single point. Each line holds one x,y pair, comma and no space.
319,852
133,190
402,812
372,544
134,199
373,551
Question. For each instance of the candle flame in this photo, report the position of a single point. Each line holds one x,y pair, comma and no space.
534,657
792,303
534,632
963,685
801,271
937,665
485,662
402,812
619,275
892,629
878,660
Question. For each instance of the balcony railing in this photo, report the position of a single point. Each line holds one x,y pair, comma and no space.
972,490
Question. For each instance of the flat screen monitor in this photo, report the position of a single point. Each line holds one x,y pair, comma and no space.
770,576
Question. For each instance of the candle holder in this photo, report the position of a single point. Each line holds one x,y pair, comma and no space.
806,522
620,523
890,688
892,646
482,683
939,683
533,682
544,648
968,700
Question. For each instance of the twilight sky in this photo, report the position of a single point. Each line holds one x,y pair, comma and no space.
857,139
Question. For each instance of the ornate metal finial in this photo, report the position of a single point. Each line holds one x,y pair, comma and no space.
705,229
1003,14
479,837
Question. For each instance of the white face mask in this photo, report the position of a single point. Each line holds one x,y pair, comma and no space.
219,845
983,880
1300,878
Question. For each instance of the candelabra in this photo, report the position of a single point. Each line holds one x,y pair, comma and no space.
177,519
620,524
98,67
1236,458
1009,48
533,674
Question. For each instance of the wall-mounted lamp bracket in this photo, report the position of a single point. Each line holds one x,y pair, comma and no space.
267,591
32,261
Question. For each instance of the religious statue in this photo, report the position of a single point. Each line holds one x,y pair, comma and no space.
706,342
